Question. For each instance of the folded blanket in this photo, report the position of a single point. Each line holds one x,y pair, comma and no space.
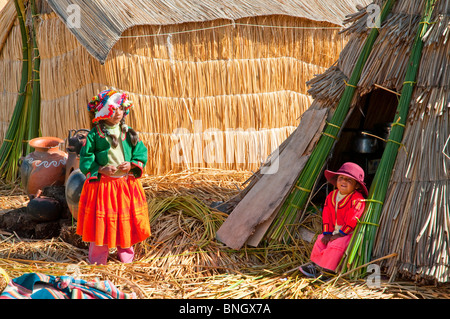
41,286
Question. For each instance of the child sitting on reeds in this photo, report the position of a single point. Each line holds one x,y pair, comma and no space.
343,206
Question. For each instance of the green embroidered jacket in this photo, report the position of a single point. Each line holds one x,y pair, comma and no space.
94,154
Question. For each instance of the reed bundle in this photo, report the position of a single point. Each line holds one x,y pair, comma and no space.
231,149
7,19
192,208
415,210
24,123
287,217
360,248
34,115
414,220
12,147
101,26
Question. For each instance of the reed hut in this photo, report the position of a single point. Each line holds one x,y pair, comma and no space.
396,73
214,83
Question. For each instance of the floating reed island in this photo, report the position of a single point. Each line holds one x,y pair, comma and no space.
182,259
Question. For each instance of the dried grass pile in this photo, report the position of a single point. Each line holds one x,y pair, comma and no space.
182,259
11,195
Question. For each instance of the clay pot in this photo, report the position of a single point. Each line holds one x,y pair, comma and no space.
45,166
74,186
44,209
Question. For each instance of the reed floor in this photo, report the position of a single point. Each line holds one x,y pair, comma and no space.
182,260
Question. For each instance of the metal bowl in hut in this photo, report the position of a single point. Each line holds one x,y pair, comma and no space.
365,144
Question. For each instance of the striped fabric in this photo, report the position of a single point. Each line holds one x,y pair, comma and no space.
41,286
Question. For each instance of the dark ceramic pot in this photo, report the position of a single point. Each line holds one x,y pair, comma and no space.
74,186
44,209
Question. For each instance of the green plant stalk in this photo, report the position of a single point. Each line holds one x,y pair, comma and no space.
297,199
35,110
11,149
360,248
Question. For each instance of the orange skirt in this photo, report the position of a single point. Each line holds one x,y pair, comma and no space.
113,212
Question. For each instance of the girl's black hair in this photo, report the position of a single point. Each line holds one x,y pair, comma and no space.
134,136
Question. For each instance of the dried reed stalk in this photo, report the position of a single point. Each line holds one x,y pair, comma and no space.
34,115
12,147
150,281
7,17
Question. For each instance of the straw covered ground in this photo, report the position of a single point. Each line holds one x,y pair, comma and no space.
182,259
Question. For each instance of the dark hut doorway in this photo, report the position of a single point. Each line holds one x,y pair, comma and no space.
373,114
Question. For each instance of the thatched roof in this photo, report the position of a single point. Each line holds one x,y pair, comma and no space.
388,61
101,26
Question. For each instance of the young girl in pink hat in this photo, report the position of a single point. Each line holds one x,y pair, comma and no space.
343,207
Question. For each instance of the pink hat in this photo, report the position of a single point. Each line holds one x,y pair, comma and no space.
351,170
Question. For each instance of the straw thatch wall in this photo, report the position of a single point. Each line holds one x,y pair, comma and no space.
213,93
230,81
10,64
415,220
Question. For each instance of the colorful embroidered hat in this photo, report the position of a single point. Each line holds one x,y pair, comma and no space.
351,170
106,102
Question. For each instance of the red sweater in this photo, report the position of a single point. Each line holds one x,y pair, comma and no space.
349,209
